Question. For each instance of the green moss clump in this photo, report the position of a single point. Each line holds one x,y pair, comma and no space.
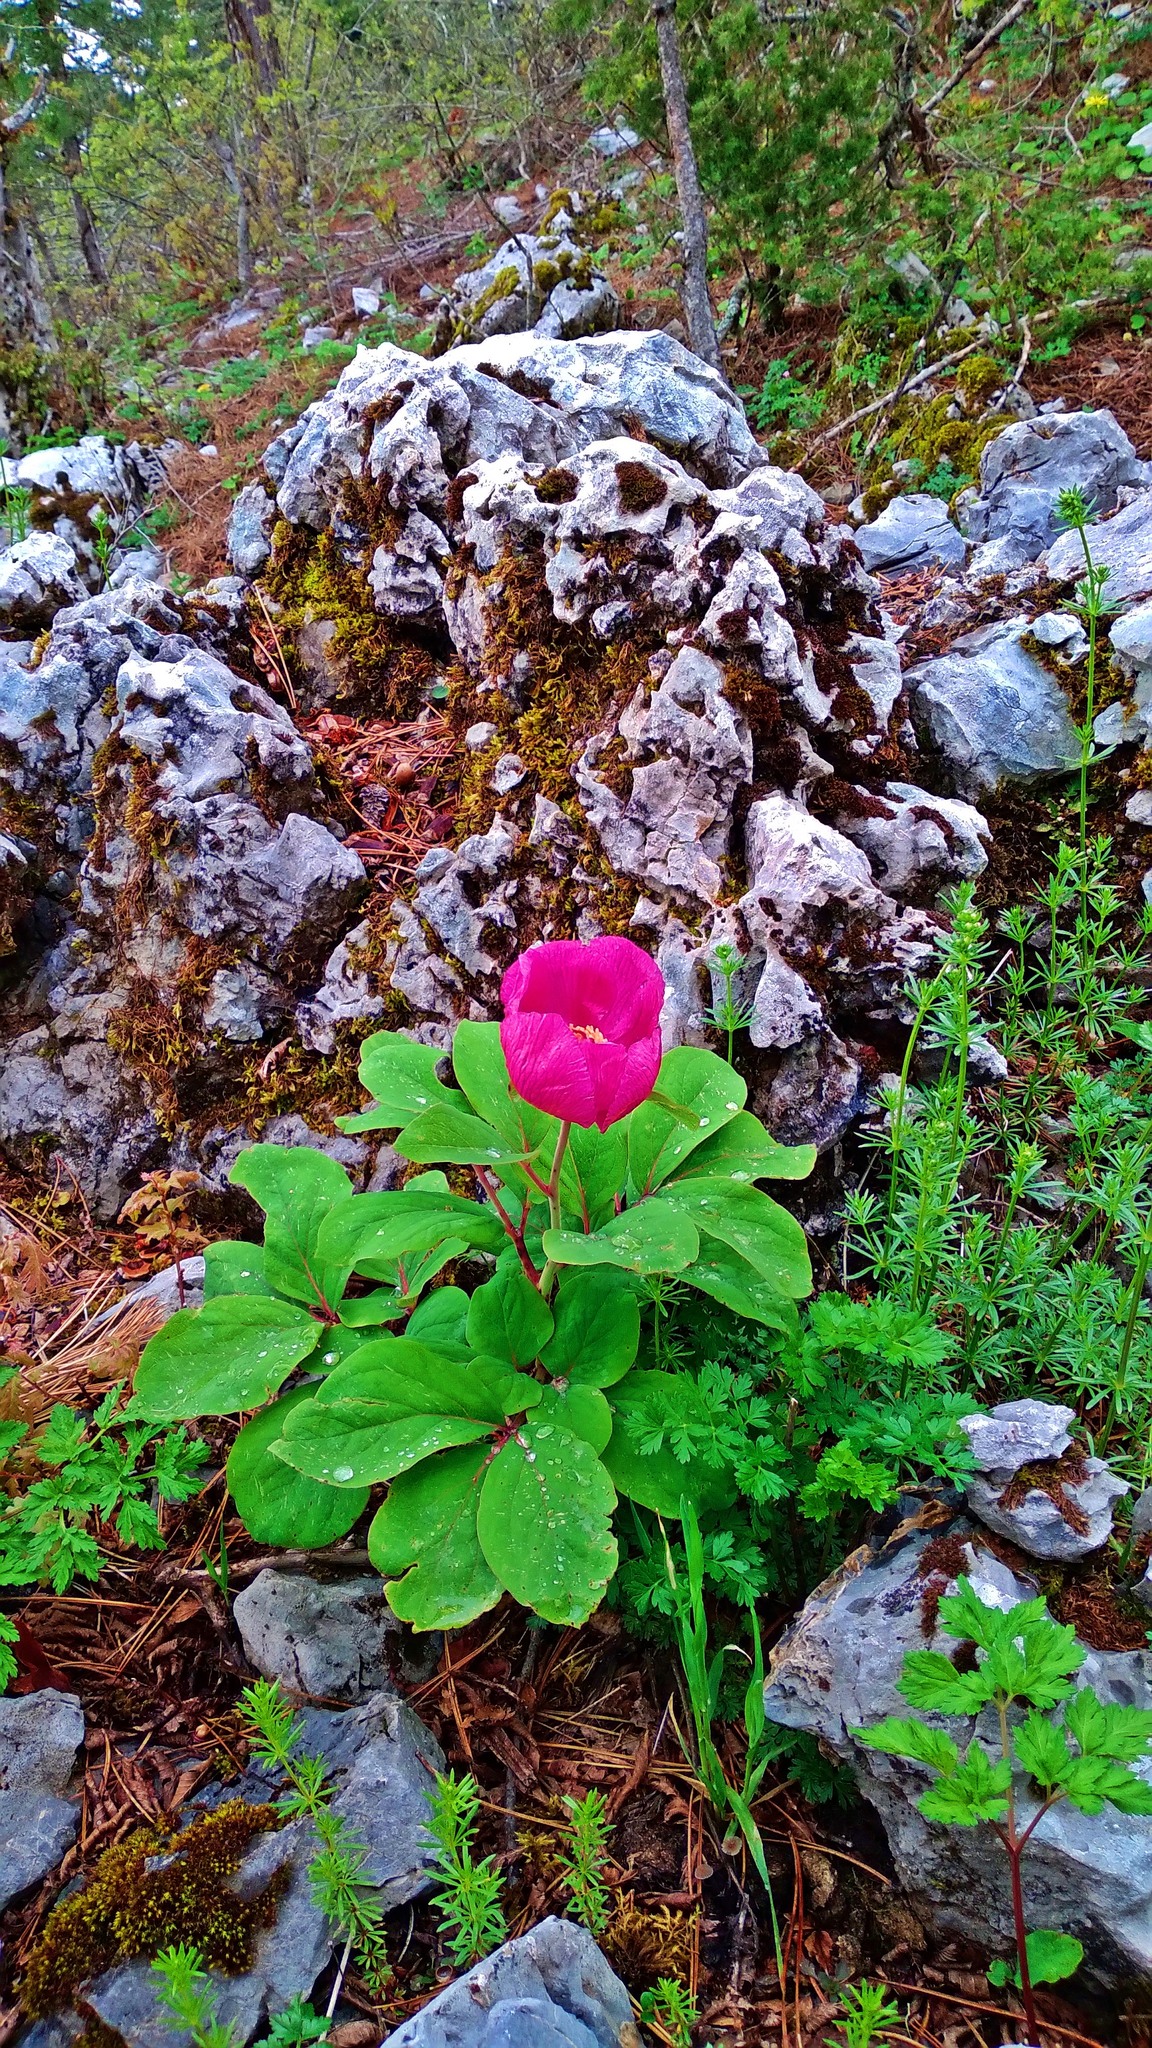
157,1887
977,379
556,487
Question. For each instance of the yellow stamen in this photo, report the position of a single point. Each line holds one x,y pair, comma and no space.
590,1031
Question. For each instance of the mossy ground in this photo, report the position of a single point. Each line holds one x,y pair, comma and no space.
156,1888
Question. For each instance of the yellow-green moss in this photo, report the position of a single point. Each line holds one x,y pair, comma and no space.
155,1888
387,671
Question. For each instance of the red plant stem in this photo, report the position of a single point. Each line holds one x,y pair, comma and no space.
516,1234
1014,1849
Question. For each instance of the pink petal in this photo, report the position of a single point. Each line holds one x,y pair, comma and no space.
548,1066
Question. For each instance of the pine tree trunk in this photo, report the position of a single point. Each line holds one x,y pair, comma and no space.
694,244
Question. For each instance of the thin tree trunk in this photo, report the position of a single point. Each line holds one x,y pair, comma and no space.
252,32
694,244
87,232
235,181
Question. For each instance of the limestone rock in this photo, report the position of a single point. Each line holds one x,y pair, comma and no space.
38,577
544,281
40,1733
910,532
248,540
1062,1507
913,839
327,1638
343,997
993,711
550,1988
1024,469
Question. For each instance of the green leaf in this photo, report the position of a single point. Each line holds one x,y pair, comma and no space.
405,1221
441,1321
931,1682
232,1354
404,1377
913,1739
657,1479
652,1238
751,1224
1140,1034
1123,1733
744,1151
545,1523
581,1410
401,1077
297,1188
658,1142
455,1136
508,1318
977,1790
408,1276
232,1267
276,1504
721,1272
1042,1750
1051,1958
597,1329
350,1443
368,1311
1089,1781
426,1530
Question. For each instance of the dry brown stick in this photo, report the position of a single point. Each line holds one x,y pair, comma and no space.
997,29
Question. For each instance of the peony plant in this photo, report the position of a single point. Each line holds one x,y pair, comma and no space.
506,1420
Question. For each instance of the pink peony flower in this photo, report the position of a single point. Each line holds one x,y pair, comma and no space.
581,1029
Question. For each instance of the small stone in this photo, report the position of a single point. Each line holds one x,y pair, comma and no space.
480,735
315,337
507,775
1138,809
365,301
1018,1433
614,141
550,1988
325,1638
40,1733
910,532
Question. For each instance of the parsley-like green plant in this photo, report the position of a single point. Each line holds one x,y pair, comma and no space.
468,1901
341,1886
727,1013
583,1856
102,1469
1025,1666
499,1418
298,2025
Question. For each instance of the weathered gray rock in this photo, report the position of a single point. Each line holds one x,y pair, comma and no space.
837,1668
689,751
914,839
1064,1516
546,282
164,1288
1023,470
248,540
81,1105
1121,544
993,711
815,1093
345,996
1018,1433
551,1988
38,577
40,1733
909,533
327,1638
